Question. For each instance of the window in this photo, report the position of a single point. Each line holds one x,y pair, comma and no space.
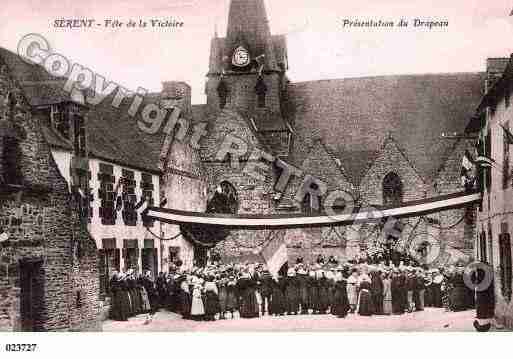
106,194
222,91
147,192
79,138
488,153
505,168
505,264
482,247
392,189
261,90
129,198
59,120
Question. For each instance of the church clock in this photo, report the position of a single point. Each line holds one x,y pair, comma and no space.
241,57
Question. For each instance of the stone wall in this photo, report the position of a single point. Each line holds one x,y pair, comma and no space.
50,235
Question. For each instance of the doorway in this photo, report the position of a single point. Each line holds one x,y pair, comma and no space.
32,295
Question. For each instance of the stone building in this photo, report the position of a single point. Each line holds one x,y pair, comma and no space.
377,138
49,278
493,243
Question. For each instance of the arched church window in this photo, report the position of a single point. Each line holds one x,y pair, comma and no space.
392,189
222,92
261,90
224,199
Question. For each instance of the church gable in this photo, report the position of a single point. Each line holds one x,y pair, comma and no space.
228,122
391,173
321,164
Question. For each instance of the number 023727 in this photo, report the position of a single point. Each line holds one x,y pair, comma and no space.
20,347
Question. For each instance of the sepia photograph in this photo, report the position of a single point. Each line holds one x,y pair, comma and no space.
251,166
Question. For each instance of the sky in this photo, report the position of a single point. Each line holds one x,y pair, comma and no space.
318,46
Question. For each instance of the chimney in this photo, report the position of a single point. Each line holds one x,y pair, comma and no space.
176,94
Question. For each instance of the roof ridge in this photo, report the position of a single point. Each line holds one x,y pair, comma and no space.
426,74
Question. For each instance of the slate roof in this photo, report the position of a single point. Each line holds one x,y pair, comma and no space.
354,116
112,134
39,86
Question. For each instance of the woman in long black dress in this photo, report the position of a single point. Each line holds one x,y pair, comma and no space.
340,306
247,288
323,293
396,288
119,306
212,306
365,307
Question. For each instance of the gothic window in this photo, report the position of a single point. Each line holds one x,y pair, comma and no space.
392,189
222,91
261,90
107,196
505,264
59,120
224,200
147,192
129,198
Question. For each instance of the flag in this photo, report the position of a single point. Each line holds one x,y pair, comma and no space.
119,204
275,254
141,202
467,166
467,163
119,201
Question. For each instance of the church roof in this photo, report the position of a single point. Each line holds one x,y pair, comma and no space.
354,116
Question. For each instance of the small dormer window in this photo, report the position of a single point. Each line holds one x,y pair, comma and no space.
261,90
60,120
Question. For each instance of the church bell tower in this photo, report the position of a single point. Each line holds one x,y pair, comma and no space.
247,71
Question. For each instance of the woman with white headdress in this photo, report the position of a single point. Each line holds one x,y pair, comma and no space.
197,306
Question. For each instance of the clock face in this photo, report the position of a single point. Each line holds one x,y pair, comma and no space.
241,57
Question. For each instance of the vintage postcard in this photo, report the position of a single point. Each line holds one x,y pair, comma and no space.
255,166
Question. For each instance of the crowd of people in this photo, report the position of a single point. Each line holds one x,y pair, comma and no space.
220,291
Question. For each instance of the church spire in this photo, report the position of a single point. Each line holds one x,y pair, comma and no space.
248,26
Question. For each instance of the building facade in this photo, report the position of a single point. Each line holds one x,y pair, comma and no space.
493,243
49,278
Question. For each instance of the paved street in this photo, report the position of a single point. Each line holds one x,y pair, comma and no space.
430,320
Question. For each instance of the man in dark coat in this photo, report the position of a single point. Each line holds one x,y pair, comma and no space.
377,290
